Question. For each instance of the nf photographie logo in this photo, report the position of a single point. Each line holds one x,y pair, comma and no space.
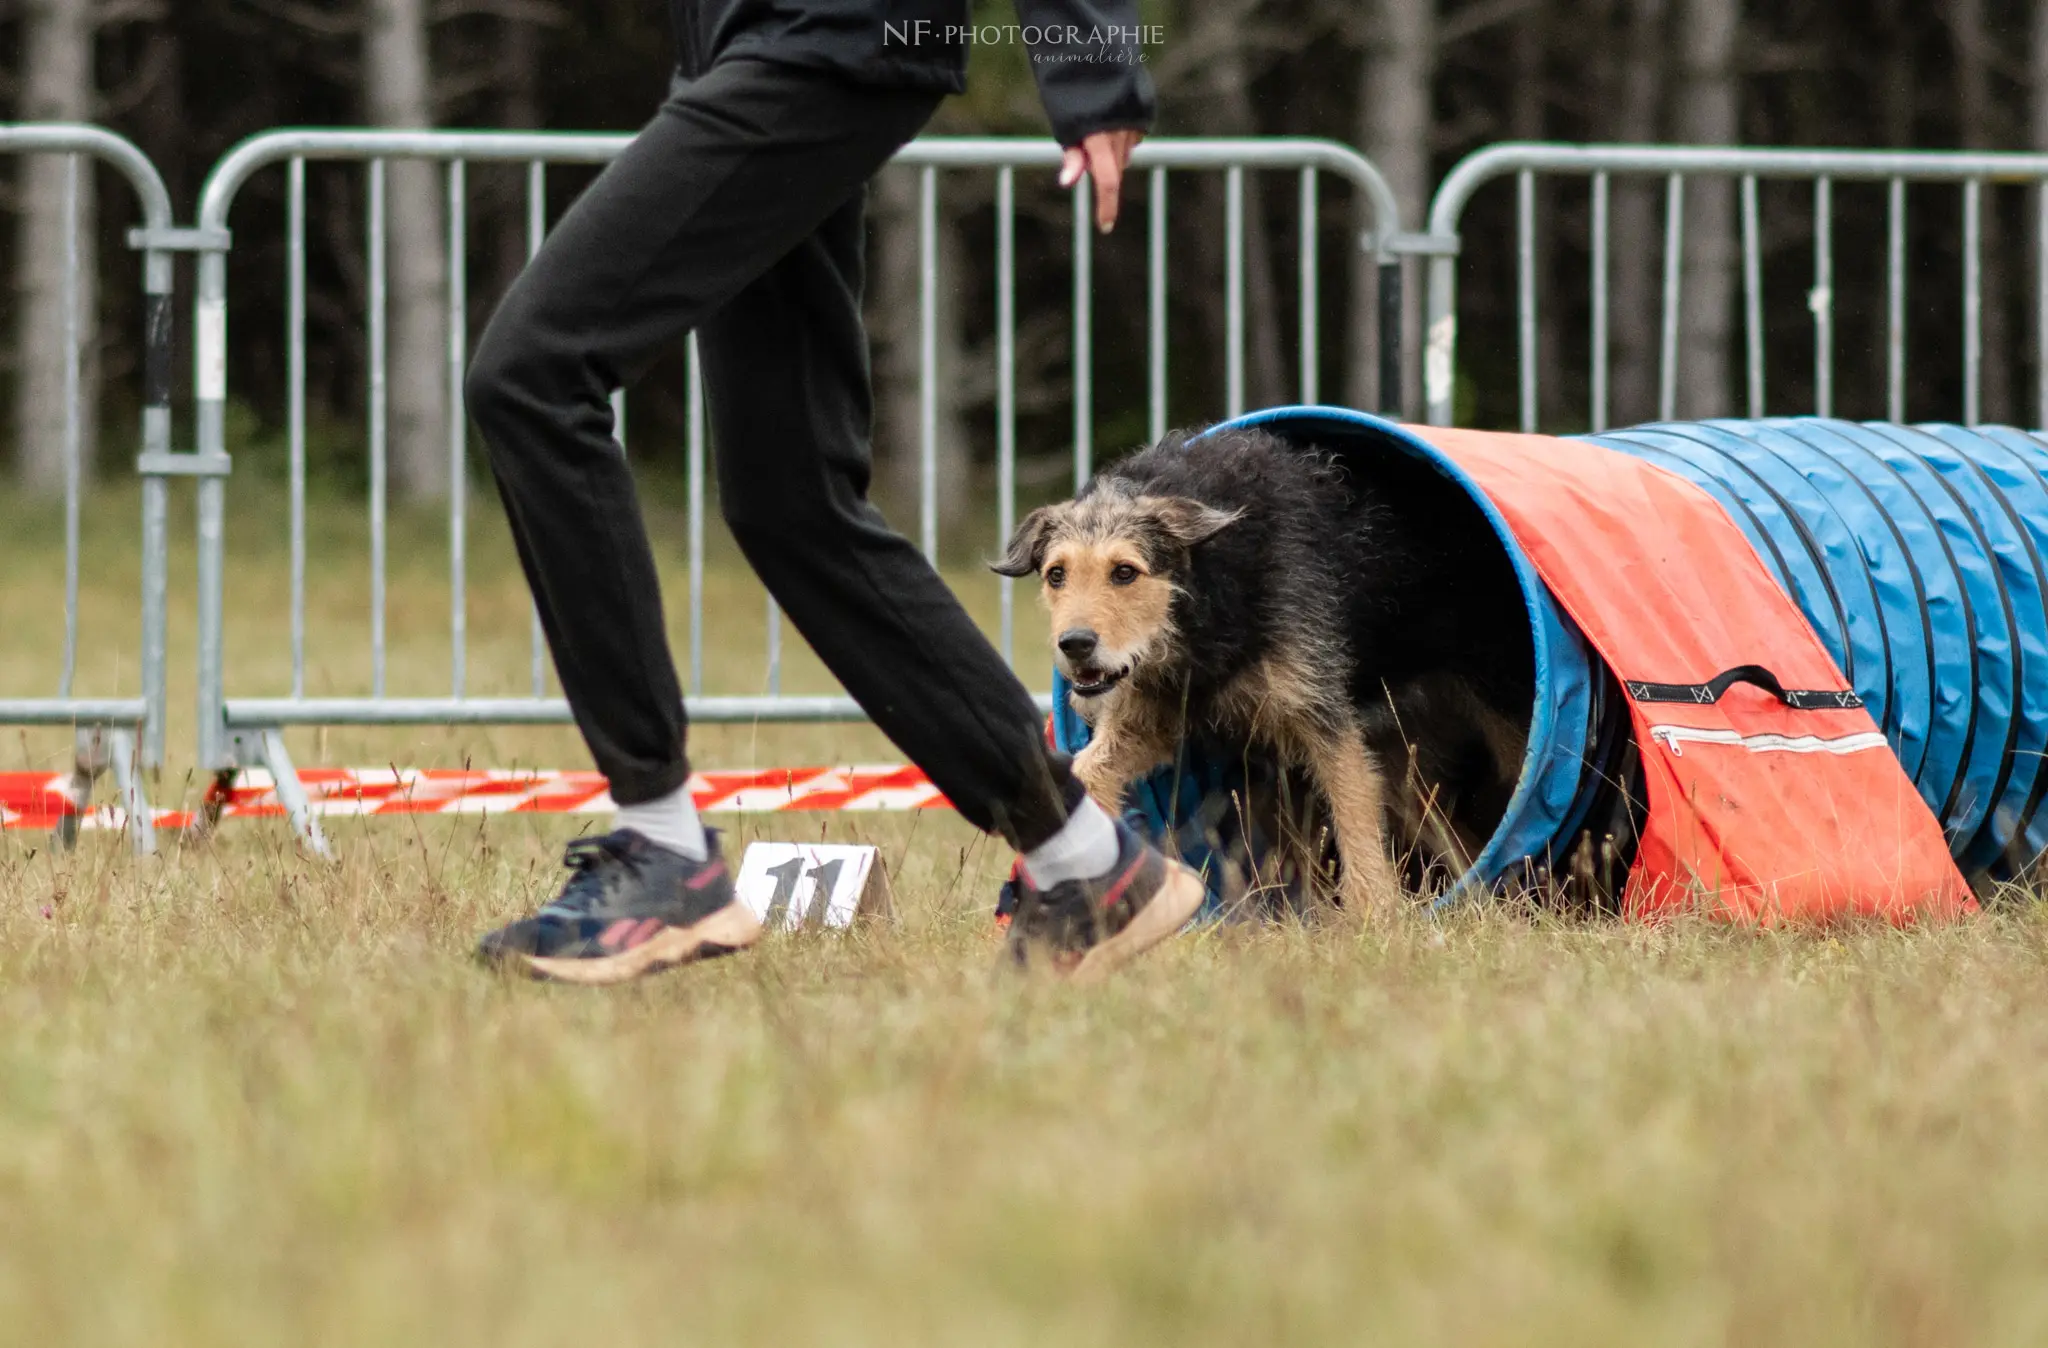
1113,42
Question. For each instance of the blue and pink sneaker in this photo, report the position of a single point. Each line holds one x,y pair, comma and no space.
630,908
1086,928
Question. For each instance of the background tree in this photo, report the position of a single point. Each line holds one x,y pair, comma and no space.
58,84
1709,107
1977,118
398,92
1397,40
1637,68
895,327
2037,140
1209,76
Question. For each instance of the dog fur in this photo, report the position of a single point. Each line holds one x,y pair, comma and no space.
1364,626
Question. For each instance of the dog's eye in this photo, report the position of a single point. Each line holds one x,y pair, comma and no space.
1123,574
1055,576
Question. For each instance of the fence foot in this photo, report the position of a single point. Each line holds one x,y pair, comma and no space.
266,748
102,750
125,759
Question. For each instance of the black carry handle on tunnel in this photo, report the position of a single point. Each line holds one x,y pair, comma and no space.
1799,699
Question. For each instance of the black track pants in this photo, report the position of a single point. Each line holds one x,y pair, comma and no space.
738,213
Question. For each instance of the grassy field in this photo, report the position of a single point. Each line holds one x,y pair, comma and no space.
248,1099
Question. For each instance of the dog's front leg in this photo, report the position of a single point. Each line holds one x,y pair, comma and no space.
1350,779
1116,756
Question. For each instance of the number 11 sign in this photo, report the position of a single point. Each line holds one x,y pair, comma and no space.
792,885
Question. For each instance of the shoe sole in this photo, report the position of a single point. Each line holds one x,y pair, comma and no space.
1178,900
730,929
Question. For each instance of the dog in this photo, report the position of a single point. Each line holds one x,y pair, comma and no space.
1237,585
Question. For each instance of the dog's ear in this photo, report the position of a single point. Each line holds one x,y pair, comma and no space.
1189,522
1027,544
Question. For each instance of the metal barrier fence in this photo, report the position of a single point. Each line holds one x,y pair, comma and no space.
1971,172
236,731
125,735
118,735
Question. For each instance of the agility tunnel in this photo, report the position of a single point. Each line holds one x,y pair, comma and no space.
1913,555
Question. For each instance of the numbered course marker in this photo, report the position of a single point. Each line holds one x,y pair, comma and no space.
792,885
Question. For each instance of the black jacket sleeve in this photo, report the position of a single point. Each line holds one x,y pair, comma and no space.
1085,56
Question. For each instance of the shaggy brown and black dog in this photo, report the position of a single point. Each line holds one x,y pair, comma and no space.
1358,619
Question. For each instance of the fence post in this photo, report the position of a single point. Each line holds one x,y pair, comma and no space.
210,393
157,336
1391,303
1440,346
122,737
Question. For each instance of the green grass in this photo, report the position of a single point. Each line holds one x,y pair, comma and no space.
250,1099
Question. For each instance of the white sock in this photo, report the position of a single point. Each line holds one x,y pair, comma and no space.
1083,849
670,821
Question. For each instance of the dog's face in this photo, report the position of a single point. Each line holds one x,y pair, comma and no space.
1109,565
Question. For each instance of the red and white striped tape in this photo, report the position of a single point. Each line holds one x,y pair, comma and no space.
38,800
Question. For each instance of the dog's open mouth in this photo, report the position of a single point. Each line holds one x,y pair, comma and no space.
1090,681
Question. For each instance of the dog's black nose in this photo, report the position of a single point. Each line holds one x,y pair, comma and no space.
1077,643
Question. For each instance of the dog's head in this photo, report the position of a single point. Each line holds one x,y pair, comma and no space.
1109,565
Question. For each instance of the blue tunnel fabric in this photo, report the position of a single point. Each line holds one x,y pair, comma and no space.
1918,553
2012,482
1976,676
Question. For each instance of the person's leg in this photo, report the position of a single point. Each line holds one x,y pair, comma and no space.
786,371
786,375
738,167
730,184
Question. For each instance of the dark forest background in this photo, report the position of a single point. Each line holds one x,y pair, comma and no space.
1414,84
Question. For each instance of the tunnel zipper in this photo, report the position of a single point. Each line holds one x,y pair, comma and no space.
1672,736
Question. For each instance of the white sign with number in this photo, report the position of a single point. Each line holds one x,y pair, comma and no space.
792,885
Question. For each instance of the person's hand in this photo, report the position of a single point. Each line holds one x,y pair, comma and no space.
1102,157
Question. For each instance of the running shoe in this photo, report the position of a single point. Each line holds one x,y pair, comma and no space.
630,907
1086,928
